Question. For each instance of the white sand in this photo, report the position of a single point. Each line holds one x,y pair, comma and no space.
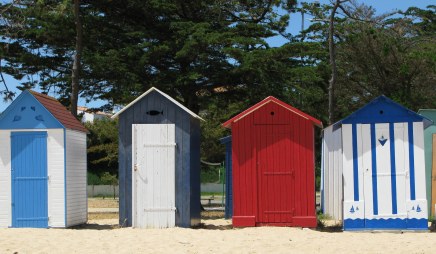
217,236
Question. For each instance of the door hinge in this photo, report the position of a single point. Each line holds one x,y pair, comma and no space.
135,167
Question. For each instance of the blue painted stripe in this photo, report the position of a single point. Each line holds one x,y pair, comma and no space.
412,162
350,224
355,162
65,176
374,169
391,223
393,168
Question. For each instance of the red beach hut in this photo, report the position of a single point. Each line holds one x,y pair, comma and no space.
273,166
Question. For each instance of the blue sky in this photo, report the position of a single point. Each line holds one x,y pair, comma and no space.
381,6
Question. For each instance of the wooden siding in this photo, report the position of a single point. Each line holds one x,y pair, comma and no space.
195,205
331,167
227,141
390,179
55,162
77,204
250,197
429,158
56,173
185,189
5,179
433,190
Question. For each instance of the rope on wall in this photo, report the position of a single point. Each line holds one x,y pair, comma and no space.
210,163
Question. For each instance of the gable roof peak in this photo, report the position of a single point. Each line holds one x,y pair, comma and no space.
264,102
164,95
59,111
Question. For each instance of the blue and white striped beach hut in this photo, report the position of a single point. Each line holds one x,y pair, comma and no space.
373,168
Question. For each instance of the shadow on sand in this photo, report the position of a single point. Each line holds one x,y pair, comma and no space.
95,226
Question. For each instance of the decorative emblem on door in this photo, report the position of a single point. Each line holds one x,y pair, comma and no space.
352,209
382,140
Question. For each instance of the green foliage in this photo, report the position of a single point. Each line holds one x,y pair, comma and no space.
109,179
212,174
93,179
102,147
214,58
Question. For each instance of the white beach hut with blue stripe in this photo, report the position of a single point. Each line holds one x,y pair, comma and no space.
42,164
373,173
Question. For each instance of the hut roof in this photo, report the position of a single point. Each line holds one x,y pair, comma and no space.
163,94
382,109
271,99
59,112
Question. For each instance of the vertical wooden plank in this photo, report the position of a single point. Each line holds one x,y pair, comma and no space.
330,183
347,162
121,169
297,175
433,190
245,194
179,162
186,182
400,177
384,189
311,199
336,174
128,165
339,151
195,215
248,170
366,155
236,158
418,137
134,180
229,180
323,171
254,181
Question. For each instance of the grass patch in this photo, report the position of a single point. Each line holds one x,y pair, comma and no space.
323,226
212,194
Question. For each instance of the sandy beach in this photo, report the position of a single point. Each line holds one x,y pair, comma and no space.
215,236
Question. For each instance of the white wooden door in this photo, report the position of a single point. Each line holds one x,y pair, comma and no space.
384,160
153,182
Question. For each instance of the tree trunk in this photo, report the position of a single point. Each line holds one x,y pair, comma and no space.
332,54
77,58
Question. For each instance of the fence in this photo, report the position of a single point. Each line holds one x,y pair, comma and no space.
108,190
102,191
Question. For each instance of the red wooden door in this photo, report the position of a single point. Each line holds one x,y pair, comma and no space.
275,174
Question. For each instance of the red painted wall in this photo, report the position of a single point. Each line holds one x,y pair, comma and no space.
273,169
